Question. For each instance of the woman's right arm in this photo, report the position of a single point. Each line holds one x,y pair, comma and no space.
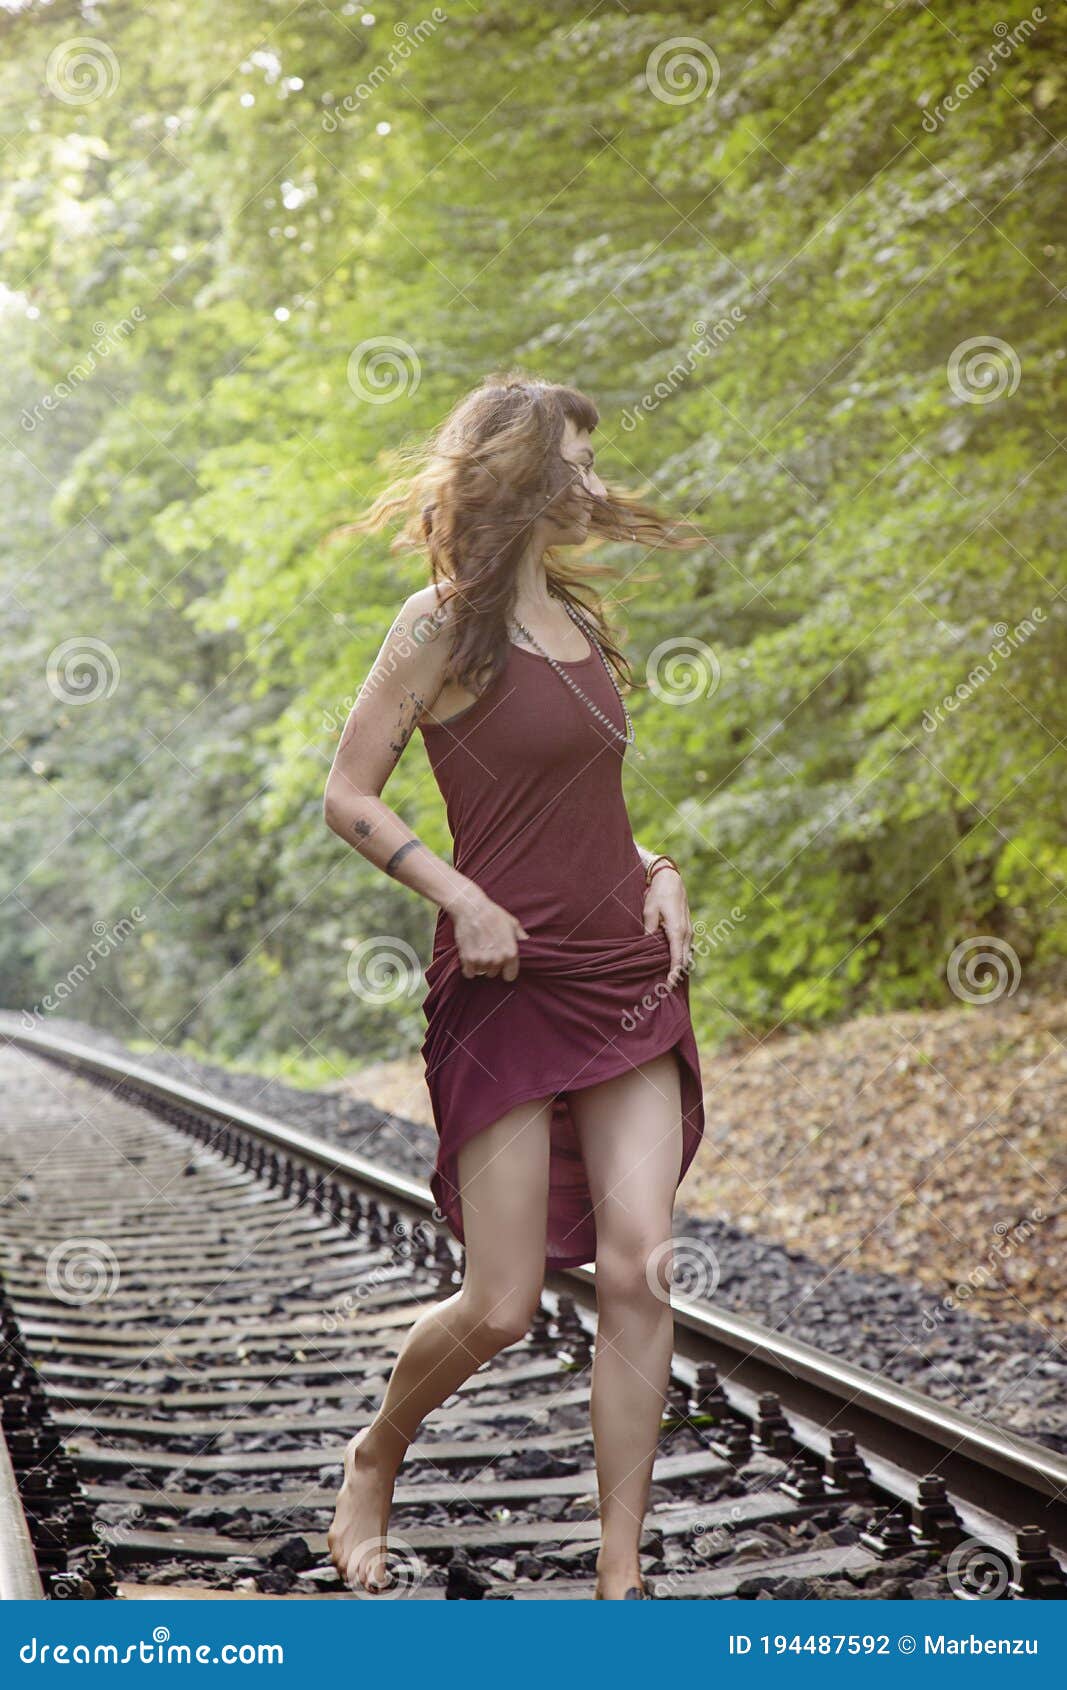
402,685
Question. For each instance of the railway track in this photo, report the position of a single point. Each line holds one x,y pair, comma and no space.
198,1305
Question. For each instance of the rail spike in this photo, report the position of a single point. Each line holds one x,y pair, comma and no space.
1040,1576
936,1523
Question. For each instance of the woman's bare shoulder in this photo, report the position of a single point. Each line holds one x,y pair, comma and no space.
428,613
418,647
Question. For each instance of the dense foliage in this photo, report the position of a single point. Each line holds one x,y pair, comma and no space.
809,265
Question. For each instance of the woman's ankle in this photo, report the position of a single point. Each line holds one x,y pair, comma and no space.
623,1563
381,1446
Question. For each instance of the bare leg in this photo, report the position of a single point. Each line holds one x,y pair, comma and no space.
630,1129
503,1178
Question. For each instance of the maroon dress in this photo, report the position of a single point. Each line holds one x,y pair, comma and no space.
532,784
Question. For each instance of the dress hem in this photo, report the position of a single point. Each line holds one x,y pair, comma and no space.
691,1137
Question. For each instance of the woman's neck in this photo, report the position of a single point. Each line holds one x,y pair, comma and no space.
532,591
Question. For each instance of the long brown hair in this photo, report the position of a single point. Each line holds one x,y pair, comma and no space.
473,494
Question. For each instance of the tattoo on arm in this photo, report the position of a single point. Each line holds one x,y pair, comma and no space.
390,867
405,728
362,829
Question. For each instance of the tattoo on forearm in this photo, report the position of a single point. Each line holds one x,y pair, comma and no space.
390,867
362,829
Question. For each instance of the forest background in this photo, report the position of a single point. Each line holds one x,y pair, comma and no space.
807,257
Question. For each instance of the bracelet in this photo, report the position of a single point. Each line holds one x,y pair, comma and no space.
656,864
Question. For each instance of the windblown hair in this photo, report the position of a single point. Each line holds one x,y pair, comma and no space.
471,498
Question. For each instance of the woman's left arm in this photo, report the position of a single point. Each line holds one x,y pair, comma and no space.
667,906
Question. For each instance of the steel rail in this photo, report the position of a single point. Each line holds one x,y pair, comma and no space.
19,1579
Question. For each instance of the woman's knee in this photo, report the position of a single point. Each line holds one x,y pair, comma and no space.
495,1321
635,1268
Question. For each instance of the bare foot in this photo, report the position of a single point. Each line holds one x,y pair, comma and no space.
357,1538
616,1584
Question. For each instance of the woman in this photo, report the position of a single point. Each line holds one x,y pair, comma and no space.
560,1056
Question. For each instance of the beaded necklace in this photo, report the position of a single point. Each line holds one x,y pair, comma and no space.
629,737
